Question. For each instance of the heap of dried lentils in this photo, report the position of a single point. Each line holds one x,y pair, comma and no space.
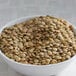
40,41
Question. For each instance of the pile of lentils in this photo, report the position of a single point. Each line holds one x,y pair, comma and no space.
40,40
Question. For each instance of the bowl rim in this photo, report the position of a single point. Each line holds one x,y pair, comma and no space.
19,63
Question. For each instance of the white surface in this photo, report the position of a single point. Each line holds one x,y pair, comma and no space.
12,9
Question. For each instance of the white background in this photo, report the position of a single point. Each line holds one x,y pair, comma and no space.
12,9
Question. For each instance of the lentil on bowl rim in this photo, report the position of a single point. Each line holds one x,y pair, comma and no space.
71,59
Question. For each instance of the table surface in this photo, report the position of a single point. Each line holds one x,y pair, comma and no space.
13,9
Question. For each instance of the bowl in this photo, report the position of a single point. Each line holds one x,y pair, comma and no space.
34,70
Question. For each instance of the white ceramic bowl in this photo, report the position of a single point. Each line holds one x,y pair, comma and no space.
34,70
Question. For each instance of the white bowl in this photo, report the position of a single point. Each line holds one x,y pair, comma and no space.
34,70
